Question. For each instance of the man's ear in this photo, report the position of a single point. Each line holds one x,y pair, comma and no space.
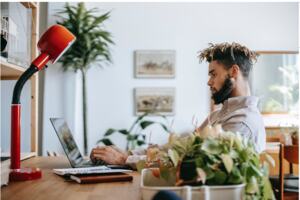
234,71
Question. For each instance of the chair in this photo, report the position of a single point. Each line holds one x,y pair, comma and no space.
286,186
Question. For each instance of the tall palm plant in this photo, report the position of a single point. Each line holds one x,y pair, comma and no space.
91,47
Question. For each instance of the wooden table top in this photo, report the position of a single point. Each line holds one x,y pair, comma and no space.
54,187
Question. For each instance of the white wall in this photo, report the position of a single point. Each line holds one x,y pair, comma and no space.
7,88
183,27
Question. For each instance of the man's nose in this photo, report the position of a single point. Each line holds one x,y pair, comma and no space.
209,82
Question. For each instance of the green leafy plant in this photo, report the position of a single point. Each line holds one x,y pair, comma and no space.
91,47
288,92
225,159
134,135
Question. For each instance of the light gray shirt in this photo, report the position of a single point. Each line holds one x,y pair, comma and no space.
240,114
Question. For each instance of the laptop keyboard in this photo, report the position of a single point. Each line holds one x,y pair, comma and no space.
87,163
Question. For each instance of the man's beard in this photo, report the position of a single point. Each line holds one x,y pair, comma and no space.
224,93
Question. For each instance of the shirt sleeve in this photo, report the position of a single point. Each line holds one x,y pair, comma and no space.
138,151
134,159
135,156
246,132
240,127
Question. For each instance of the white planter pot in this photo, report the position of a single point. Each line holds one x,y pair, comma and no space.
150,185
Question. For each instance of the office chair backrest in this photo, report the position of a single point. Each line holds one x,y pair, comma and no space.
291,154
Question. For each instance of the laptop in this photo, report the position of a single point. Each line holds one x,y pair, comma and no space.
71,149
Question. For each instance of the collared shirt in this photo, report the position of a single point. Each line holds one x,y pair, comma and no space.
240,114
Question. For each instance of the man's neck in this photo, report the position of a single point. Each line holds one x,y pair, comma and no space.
241,89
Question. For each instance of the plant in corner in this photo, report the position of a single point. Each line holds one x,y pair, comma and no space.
91,47
134,135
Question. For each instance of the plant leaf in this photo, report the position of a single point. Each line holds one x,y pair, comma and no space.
92,42
267,189
141,164
106,141
252,186
145,124
132,137
220,177
201,175
268,158
235,176
173,156
124,131
254,171
228,162
164,127
140,142
109,132
211,146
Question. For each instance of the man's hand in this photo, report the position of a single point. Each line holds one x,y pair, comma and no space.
109,154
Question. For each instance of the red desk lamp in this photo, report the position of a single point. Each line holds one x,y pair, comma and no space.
53,43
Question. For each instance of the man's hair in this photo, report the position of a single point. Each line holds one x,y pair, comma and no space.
230,54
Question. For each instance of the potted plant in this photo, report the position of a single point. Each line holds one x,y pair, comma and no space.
91,47
219,160
134,135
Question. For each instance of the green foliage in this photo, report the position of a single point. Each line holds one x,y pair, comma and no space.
134,135
92,41
222,160
289,91
90,48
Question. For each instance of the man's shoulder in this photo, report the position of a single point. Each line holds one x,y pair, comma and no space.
245,115
247,120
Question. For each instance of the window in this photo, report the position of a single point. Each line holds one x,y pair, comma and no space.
275,80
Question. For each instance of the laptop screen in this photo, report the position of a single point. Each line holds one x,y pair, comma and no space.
66,139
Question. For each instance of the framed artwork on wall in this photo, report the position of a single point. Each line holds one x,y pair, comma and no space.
155,63
159,100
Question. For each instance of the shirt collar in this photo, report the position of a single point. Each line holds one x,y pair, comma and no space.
235,103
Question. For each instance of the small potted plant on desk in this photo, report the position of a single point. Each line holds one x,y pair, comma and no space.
225,166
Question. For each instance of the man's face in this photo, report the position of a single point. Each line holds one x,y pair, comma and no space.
219,82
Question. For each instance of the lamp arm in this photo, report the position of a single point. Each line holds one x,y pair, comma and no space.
20,83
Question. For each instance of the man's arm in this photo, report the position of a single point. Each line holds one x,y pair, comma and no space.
114,156
109,154
245,131
240,127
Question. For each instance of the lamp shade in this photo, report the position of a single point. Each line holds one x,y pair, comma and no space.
53,43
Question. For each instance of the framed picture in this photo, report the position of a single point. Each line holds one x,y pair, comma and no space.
160,100
155,64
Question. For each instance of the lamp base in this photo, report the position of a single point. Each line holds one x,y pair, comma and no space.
25,174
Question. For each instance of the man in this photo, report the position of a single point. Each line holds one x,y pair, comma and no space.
229,68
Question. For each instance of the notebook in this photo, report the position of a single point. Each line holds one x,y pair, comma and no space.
103,178
88,170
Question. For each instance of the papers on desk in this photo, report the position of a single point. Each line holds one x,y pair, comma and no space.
88,170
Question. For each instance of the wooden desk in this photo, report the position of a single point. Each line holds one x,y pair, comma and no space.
54,187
